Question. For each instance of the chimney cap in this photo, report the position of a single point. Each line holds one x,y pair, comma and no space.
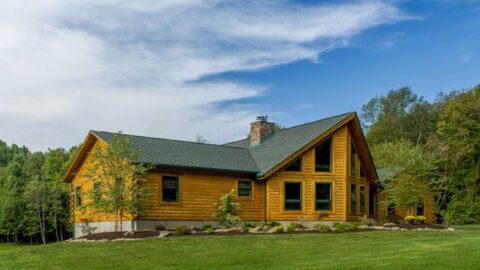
262,118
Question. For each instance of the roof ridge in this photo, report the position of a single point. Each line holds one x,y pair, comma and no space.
311,122
165,139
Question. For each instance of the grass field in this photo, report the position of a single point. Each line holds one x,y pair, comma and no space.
367,250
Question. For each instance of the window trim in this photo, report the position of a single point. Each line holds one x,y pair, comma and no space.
353,211
332,158
331,197
290,200
238,189
178,201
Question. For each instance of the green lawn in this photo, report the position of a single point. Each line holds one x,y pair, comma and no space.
368,250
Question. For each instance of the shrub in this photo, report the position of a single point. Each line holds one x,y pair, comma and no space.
279,229
366,221
227,211
210,231
246,226
159,227
182,229
421,219
322,228
206,227
294,226
272,224
410,219
345,226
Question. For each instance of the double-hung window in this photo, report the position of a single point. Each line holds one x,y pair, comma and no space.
323,156
244,188
323,196
293,196
170,189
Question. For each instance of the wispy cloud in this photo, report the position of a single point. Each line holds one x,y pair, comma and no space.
70,66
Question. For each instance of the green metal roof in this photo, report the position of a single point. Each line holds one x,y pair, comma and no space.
236,156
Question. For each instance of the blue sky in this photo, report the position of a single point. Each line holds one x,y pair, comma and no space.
437,51
179,68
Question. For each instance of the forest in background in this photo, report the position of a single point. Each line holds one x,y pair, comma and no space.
434,144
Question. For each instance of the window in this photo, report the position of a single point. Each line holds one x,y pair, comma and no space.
323,196
296,166
323,156
353,198
78,197
420,208
244,188
170,189
362,200
293,196
353,161
96,192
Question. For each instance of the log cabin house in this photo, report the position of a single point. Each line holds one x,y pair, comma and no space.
320,171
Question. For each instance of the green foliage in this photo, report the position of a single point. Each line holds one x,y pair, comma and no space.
295,226
410,219
182,230
34,201
271,224
323,228
407,171
120,178
279,229
210,231
159,227
247,226
206,227
421,219
366,221
227,211
345,226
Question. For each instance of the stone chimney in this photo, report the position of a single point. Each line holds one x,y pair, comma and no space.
260,130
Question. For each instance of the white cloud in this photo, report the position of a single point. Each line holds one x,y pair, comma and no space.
70,66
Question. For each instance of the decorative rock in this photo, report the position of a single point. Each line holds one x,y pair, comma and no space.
450,229
403,229
275,229
129,233
363,227
164,234
226,230
377,227
395,228
389,224
258,229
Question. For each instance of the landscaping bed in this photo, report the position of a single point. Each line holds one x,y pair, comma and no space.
409,226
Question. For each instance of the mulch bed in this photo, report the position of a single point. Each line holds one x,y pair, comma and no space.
147,234
417,226
118,235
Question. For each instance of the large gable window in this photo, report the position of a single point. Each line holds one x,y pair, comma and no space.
323,156
293,196
362,199
323,196
244,188
295,166
353,160
353,198
170,189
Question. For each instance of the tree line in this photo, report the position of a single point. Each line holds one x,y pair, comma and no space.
34,201
429,145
